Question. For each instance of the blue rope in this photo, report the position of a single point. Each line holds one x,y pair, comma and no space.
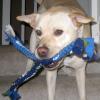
12,92
21,48
78,47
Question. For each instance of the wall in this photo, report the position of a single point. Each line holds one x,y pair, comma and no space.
0,21
86,5
98,8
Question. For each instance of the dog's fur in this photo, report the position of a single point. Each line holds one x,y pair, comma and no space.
68,17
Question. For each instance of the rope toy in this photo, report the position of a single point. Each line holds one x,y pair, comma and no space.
83,48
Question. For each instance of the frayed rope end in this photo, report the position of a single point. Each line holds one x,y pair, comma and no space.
13,95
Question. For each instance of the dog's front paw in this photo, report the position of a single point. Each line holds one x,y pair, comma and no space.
9,30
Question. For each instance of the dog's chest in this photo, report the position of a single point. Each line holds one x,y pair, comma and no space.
74,62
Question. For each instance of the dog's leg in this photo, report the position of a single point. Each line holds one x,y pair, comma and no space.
80,78
33,43
79,66
51,83
29,65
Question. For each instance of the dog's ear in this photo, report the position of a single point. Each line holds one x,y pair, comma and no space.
29,19
80,18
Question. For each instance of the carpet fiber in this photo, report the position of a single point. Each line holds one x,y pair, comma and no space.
65,90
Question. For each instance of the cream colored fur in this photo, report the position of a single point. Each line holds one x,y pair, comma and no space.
68,16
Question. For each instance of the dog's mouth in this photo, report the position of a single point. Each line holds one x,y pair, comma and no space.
53,66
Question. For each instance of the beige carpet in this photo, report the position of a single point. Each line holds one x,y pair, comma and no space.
65,90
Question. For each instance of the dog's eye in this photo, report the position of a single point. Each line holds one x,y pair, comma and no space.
58,32
38,32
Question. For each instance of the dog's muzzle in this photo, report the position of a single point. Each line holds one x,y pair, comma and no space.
42,52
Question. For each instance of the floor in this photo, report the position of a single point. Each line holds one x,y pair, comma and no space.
65,90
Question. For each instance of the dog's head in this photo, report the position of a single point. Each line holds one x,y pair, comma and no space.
55,29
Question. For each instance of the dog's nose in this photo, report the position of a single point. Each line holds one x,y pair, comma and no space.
42,51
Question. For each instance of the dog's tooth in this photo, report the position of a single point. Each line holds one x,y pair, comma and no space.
85,55
71,52
38,67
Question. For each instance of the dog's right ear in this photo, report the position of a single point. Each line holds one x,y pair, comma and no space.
29,19
79,18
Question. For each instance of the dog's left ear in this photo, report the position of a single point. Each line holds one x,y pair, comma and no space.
29,19
80,18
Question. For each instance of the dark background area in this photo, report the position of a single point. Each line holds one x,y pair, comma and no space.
16,11
29,8
0,21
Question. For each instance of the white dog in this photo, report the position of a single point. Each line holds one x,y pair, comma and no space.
58,23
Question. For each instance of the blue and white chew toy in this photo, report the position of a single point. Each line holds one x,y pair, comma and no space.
80,47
